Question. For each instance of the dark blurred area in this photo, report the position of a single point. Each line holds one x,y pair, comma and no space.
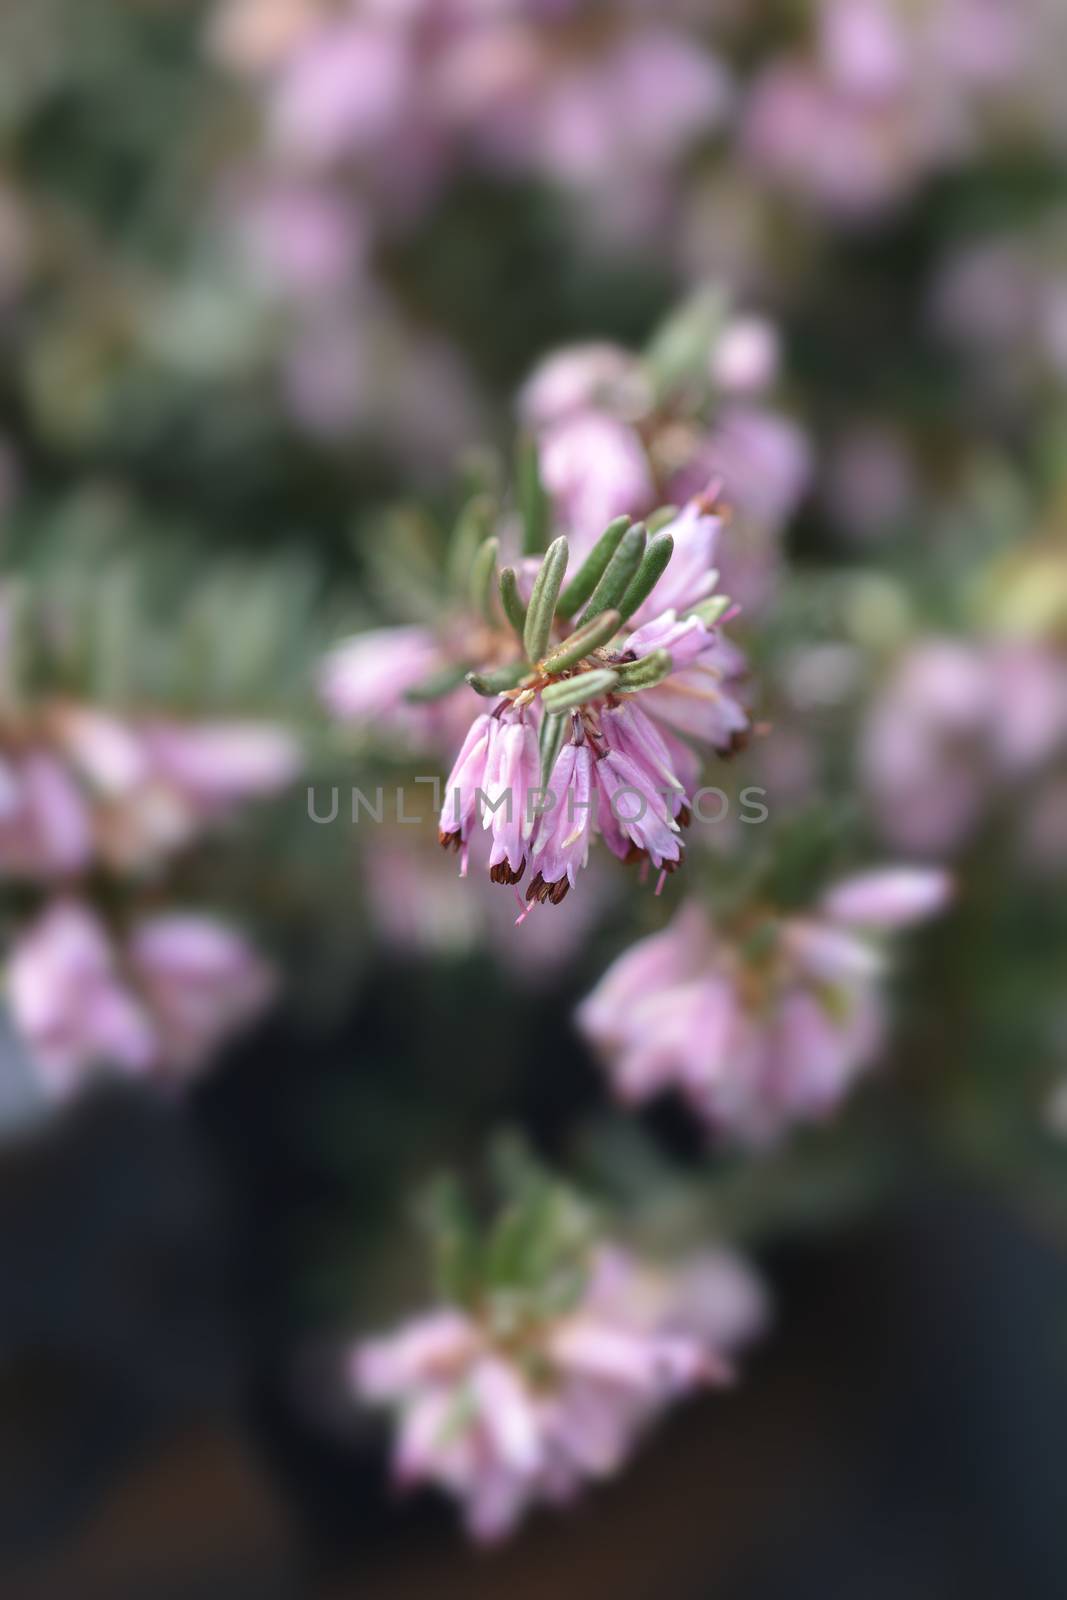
897,1441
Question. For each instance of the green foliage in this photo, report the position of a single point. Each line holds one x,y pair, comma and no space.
592,568
591,636
570,693
541,611
522,1260
620,572
653,565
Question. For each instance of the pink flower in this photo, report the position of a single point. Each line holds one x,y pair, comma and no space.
300,239
762,459
922,747
346,90
216,765
582,378
595,469
628,730
862,48
854,157
638,105
701,698
365,678
466,777
504,1426
893,897
68,999
154,785
745,358
156,1005
763,1026
45,819
513,772
562,847
636,820
200,981
956,724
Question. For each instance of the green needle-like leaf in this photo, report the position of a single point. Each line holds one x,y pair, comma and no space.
592,568
553,732
660,518
646,673
576,691
710,611
619,573
511,600
653,565
457,1246
472,527
483,578
677,353
437,685
499,681
589,637
534,506
542,607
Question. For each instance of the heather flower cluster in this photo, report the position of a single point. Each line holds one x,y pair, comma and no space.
93,808
155,1000
764,1023
887,93
589,730
960,725
577,91
617,434
81,787
368,112
559,1352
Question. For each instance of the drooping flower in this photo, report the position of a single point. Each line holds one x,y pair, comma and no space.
565,833
506,1418
763,1024
635,818
512,774
459,814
